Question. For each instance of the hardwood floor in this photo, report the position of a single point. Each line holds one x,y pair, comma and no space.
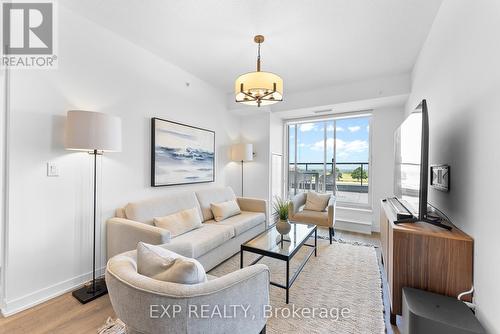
61,315
65,314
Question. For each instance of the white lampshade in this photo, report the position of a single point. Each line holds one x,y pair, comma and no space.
242,152
258,88
88,131
250,86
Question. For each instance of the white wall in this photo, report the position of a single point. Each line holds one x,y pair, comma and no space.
458,73
367,89
49,226
276,134
3,183
255,130
265,131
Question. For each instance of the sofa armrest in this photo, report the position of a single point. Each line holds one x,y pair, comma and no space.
252,204
124,234
296,203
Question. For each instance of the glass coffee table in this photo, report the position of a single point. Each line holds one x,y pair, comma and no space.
272,244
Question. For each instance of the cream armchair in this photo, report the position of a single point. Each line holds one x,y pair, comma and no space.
325,218
149,306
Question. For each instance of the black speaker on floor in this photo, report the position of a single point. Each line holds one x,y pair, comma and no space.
428,313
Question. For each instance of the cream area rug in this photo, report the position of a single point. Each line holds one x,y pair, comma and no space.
342,278
342,286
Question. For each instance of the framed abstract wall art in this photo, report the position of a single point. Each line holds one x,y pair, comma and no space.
181,154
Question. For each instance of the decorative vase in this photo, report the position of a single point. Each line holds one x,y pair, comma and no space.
283,227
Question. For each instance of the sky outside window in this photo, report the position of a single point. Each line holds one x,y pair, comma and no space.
352,140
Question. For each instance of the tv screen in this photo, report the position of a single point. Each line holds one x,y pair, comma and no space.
411,161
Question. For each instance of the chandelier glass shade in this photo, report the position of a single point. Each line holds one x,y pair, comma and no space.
258,88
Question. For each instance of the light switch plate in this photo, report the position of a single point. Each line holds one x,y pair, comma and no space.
52,169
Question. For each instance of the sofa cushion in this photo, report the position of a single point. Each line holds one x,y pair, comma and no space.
180,222
225,210
164,265
242,222
312,217
145,211
205,238
213,195
316,201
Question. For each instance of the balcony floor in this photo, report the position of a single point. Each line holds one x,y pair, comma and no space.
345,196
352,197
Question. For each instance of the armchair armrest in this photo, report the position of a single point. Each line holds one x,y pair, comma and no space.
296,203
124,234
249,287
332,210
252,204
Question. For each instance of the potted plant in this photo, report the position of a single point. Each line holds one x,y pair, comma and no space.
281,207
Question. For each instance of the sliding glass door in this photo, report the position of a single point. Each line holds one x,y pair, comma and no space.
330,155
307,168
352,159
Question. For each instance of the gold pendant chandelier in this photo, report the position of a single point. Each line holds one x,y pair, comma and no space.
258,88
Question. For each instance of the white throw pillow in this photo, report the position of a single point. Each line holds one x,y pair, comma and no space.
164,265
316,202
179,222
225,210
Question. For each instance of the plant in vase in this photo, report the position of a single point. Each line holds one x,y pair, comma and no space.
281,207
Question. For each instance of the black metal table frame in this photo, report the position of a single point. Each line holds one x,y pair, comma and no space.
286,258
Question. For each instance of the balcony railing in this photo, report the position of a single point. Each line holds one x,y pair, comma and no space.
310,176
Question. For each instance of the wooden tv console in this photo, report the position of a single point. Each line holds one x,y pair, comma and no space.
423,256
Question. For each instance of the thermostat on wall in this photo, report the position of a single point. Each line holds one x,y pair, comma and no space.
440,177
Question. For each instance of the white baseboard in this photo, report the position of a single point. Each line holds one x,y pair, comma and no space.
353,226
14,306
354,219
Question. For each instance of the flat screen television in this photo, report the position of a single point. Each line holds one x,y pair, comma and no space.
411,170
412,162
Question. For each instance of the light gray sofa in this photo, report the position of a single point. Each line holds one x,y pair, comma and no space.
140,301
210,244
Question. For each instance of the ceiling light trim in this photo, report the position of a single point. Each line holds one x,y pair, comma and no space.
260,87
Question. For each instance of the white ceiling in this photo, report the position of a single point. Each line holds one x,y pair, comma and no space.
309,43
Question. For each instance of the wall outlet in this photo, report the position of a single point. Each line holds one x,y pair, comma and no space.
52,169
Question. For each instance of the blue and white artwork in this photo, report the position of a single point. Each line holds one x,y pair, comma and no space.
181,154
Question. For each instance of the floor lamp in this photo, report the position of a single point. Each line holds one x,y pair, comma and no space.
94,133
242,153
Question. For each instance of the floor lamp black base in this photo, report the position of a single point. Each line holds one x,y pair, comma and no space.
87,294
